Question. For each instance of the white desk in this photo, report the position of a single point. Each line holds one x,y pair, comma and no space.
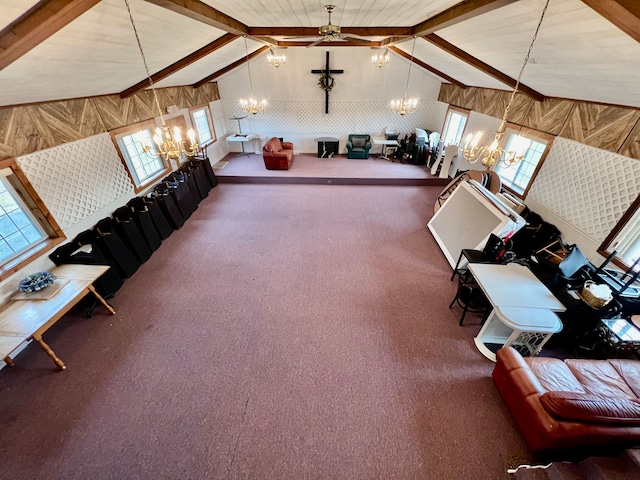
385,144
523,309
514,285
245,137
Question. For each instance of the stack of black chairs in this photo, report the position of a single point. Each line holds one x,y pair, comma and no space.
128,238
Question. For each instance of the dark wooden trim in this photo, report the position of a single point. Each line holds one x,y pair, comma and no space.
480,65
230,67
32,200
36,25
604,248
351,43
313,31
458,13
202,12
624,14
180,64
427,67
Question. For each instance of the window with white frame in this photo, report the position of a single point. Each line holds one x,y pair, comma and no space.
519,177
625,239
203,125
143,167
27,229
454,126
19,230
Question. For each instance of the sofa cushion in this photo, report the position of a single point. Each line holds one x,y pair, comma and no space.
358,142
589,408
273,145
553,374
599,377
629,370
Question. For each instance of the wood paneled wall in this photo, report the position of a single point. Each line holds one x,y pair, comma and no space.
28,128
608,127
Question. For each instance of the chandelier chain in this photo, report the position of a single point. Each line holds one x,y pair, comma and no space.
246,50
406,87
144,61
526,60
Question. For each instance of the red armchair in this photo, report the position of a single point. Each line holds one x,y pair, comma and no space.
277,155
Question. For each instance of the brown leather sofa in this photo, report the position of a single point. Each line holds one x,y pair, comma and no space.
277,155
572,408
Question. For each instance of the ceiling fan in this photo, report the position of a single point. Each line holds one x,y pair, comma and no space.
331,32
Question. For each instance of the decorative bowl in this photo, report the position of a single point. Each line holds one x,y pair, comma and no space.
35,282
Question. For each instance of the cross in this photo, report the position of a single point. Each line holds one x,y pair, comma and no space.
328,71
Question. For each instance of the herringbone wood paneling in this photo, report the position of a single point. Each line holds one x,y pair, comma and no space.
600,126
28,128
631,146
603,126
549,116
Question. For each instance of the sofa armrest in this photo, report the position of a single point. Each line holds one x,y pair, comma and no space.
349,145
589,408
287,145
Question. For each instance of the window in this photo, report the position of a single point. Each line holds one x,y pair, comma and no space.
454,126
203,125
535,145
27,229
130,141
625,239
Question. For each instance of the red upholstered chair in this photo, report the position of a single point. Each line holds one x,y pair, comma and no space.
277,155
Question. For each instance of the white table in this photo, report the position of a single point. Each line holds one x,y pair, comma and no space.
523,309
245,137
385,144
514,285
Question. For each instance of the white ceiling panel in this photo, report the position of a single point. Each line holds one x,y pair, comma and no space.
12,9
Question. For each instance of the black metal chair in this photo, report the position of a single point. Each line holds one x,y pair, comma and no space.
471,298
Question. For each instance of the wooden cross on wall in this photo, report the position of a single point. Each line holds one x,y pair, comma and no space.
328,71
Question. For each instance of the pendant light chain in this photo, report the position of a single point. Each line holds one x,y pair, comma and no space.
246,50
406,87
526,60
144,61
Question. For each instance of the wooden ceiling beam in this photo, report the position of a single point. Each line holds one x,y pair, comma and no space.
429,68
350,43
458,13
202,12
180,64
624,14
313,31
36,25
480,65
230,67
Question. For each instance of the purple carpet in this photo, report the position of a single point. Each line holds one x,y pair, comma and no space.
285,332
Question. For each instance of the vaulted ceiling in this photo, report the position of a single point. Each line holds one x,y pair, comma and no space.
58,49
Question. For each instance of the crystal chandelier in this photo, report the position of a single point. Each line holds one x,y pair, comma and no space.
405,105
381,59
169,144
494,153
276,59
251,104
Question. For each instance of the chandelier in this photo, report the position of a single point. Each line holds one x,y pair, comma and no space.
494,153
251,104
169,144
381,59
276,59
405,105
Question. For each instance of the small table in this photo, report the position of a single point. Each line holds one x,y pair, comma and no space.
22,320
523,308
526,329
243,137
327,146
385,144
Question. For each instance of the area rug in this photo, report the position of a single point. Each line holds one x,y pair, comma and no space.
221,164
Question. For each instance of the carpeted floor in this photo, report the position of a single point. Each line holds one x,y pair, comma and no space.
285,332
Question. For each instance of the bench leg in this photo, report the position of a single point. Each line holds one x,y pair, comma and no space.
102,300
9,361
60,364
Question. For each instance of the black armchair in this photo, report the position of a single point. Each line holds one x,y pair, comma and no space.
358,146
